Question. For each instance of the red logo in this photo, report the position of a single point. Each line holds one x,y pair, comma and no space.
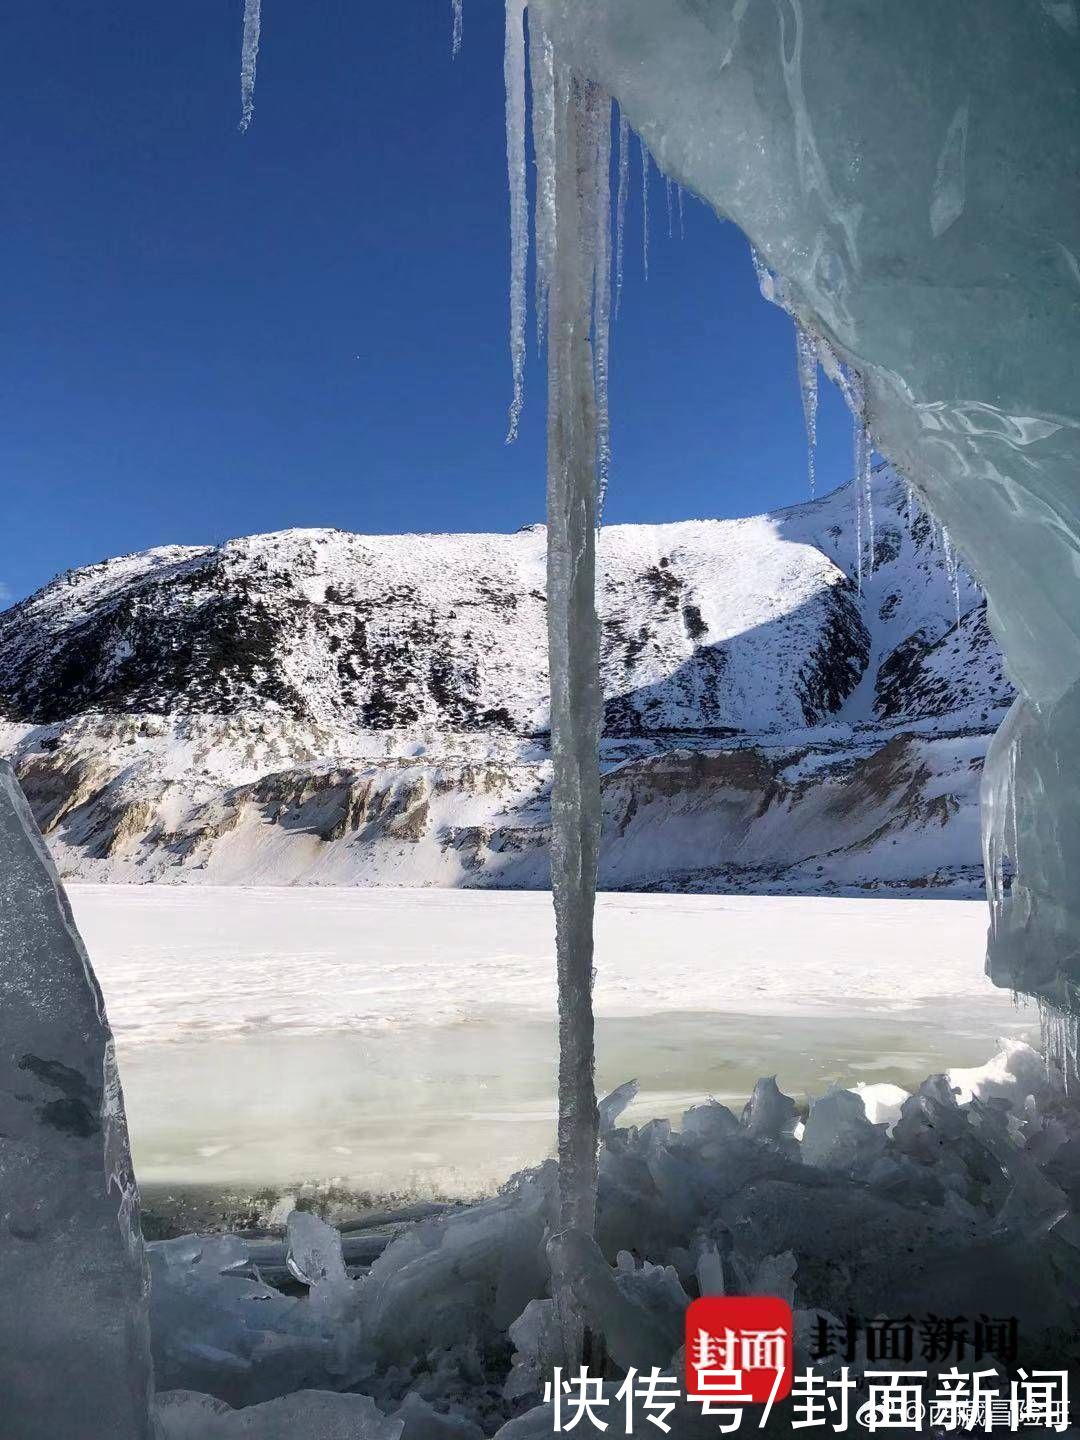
738,1351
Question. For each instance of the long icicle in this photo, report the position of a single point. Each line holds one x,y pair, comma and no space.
252,30
859,434
645,206
620,205
542,79
601,141
868,490
807,354
514,72
458,27
574,657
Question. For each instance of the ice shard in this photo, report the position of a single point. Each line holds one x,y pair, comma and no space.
927,229
74,1328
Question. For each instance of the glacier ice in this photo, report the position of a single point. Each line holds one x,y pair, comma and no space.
249,57
930,235
74,1326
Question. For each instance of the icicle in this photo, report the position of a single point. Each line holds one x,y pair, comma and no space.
252,28
670,209
514,73
458,8
952,570
910,499
868,489
682,217
859,434
620,204
806,347
993,843
542,77
574,647
645,206
602,295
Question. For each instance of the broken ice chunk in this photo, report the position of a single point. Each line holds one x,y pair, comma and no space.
710,1270
613,1105
422,1422
310,1414
769,1113
838,1135
314,1257
776,1276
538,1348
711,1121
462,1278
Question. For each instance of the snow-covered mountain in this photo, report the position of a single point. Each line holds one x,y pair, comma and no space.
320,707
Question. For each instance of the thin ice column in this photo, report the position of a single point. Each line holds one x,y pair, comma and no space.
574,632
74,1329
252,29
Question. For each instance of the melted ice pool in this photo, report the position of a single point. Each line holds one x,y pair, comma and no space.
403,1041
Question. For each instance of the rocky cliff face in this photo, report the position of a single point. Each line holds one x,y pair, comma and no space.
320,707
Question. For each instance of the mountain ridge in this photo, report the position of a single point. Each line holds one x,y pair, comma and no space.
178,713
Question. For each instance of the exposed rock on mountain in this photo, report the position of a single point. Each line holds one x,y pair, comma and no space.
320,707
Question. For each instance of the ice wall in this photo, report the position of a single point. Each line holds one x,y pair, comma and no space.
912,174
74,1330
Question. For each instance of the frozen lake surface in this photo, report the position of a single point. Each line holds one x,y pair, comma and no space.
403,1041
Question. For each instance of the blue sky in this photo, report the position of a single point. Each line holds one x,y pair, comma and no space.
207,334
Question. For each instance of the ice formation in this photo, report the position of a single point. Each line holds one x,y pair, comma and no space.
74,1328
954,1200
457,25
928,235
644,205
932,239
514,71
582,120
252,27
807,357
542,79
620,205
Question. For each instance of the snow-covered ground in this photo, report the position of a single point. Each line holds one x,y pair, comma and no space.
403,1041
